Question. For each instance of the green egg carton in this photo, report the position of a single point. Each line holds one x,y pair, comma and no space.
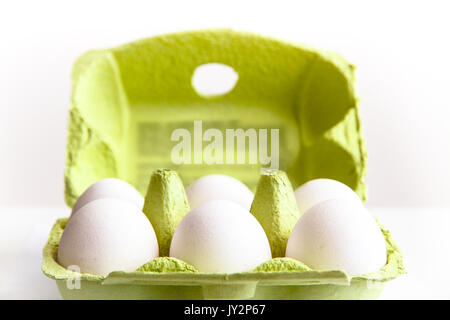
127,102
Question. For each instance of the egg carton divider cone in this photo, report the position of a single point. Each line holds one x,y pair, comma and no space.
127,100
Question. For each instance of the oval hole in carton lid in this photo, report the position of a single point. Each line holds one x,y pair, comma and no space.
214,79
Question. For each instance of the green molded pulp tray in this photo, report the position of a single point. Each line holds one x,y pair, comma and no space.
127,101
247,285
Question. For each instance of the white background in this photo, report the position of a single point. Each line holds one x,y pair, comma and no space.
402,51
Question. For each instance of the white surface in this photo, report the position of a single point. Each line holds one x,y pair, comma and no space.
422,234
212,79
22,238
401,50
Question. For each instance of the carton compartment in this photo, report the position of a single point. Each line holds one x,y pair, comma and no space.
246,285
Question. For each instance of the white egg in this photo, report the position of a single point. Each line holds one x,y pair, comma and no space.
218,187
220,236
318,190
110,188
107,235
338,234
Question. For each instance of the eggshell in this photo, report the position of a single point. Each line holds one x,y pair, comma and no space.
338,234
107,235
218,187
110,188
220,236
318,190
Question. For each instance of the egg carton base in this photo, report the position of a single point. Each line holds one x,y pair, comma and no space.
92,290
249,285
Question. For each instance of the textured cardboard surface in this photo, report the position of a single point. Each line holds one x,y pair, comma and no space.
126,102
